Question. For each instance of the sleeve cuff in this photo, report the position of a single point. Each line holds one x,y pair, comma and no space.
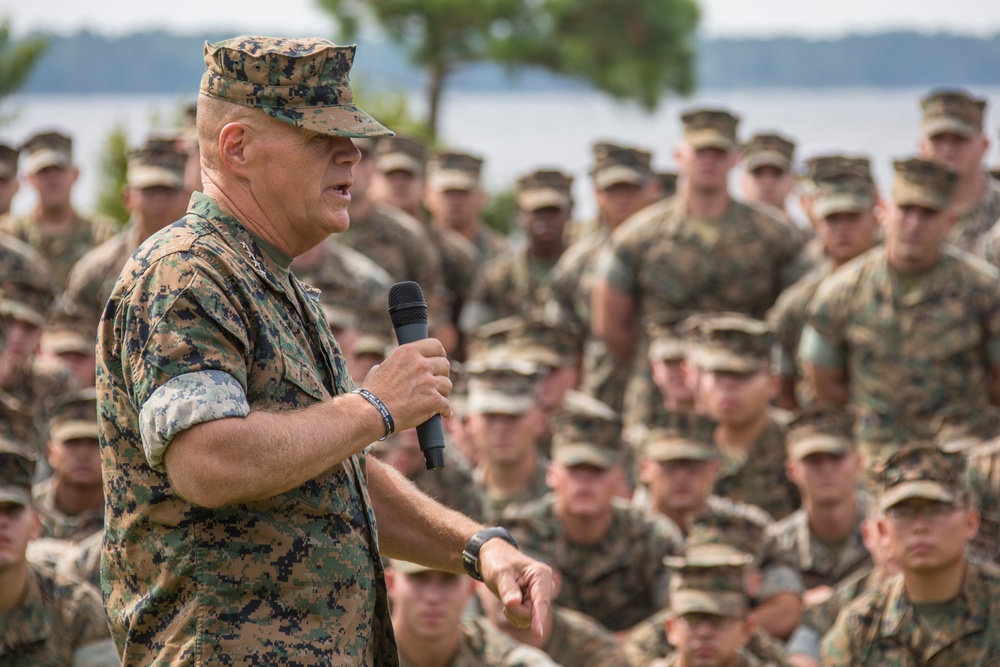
615,272
101,653
184,401
816,349
780,579
804,641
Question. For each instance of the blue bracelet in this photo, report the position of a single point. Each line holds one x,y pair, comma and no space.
390,425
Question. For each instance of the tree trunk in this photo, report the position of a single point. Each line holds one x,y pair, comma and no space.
438,74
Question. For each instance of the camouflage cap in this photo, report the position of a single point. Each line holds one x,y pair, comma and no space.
17,469
921,470
964,427
454,171
586,432
407,154
732,343
158,163
710,128
846,192
668,183
48,149
340,316
535,341
407,567
719,531
666,342
616,165
820,428
709,580
73,416
374,344
923,183
505,392
8,162
302,82
768,150
821,167
952,112
681,436
544,188
68,332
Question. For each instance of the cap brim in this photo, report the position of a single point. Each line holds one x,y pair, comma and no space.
494,403
768,159
920,489
906,194
819,444
617,175
399,162
43,158
533,200
725,362
452,179
344,120
140,177
716,603
946,125
17,495
61,343
406,567
74,430
21,312
667,350
827,206
679,450
583,454
700,139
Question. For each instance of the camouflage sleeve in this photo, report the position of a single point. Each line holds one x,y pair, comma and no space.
780,579
829,309
184,401
527,656
815,348
805,641
92,643
618,264
96,654
838,644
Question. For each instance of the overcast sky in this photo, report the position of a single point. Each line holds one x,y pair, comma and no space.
301,17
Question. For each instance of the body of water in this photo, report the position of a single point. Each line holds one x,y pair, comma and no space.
517,132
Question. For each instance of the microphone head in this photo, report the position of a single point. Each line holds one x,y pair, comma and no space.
406,304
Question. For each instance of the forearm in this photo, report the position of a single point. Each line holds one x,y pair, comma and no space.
414,527
235,460
828,384
779,615
611,320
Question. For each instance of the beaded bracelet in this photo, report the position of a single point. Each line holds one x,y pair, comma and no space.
390,425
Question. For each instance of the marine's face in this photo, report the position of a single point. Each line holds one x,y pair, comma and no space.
456,208
504,438
679,486
428,605
961,153
8,188
76,461
826,478
300,179
156,206
670,379
737,398
848,234
707,640
544,226
54,184
926,535
705,168
18,526
914,236
399,188
584,489
769,185
618,202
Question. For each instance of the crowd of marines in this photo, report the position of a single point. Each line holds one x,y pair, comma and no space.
738,438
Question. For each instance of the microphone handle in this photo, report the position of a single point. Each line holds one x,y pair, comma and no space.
430,434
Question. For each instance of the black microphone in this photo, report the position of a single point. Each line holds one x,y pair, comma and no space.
408,312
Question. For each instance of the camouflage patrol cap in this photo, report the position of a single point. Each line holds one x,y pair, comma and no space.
8,162
820,428
302,82
709,580
68,332
732,343
820,167
158,163
768,150
454,171
520,340
666,342
668,183
964,427
17,469
615,165
844,192
339,316
73,416
952,112
21,303
681,436
720,531
408,567
373,344
48,149
407,154
921,470
710,128
923,183
586,432
544,188
503,392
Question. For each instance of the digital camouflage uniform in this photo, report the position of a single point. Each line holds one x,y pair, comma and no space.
482,645
667,260
885,627
911,354
983,478
579,640
83,560
60,526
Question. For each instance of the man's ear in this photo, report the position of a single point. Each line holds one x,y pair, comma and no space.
233,140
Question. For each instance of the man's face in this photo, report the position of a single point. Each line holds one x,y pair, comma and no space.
8,188
544,226
962,154
77,461
618,202
705,168
82,366
583,490
504,438
18,526
706,640
769,185
825,478
914,235
846,235
670,379
926,535
428,605
456,208
679,486
301,179
737,399
21,343
54,185
157,206
399,188
553,386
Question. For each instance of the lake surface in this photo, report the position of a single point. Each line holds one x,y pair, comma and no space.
517,132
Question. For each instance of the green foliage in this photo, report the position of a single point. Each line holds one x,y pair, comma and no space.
392,109
113,170
17,59
501,211
636,50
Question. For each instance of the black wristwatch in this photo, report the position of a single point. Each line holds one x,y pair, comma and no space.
470,557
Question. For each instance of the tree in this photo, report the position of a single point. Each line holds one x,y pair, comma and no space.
631,49
17,59
113,172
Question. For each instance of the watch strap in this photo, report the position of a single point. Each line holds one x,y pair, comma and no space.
470,557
